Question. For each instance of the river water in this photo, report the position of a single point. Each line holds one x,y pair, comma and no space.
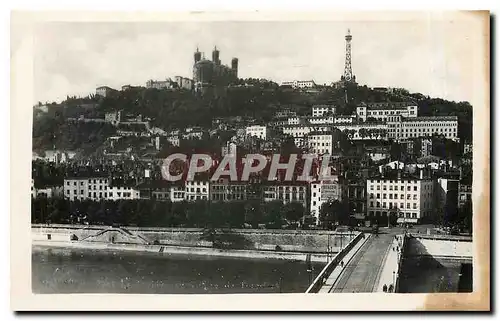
58,270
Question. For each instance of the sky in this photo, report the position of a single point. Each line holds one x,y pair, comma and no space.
433,57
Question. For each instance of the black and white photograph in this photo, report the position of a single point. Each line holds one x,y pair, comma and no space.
186,156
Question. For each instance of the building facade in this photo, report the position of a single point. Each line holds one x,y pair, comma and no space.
299,84
321,110
104,91
257,131
381,111
325,191
410,199
197,190
400,128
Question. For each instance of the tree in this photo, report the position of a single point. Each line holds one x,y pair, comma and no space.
294,211
273,214
333,212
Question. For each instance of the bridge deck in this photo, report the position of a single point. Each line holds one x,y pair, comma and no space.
362,272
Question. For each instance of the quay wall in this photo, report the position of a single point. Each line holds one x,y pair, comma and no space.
310,241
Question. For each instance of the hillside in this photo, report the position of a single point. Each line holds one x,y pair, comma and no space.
179,109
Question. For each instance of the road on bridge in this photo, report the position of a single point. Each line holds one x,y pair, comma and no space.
362,272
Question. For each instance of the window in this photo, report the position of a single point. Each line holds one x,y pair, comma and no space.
81,192
408,196
371,204
90,194
378,195
414,188
390,196
409,188
414,206
414,197
395,196
395,187
407,205
74,183
378,187
74,191
401,205
384,196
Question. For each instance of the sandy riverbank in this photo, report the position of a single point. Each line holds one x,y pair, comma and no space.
163,249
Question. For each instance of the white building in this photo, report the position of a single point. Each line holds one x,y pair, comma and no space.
364,130
321,110
381,111
299,84
196,190
115,193
257,131
285,192
399,128
96,189
177,193
324,191
167,84
184,83
320,142
411,199
321,120
76,188
295,120
344,119
104,91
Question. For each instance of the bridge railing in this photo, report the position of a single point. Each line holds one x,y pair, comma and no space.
327,270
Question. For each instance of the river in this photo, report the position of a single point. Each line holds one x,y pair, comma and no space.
58,270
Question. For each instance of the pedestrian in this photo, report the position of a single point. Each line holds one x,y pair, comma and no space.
341,263
384,288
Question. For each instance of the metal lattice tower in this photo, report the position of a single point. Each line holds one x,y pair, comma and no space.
348,69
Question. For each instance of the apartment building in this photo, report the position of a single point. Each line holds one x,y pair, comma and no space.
285,191
257,131
197,190
224,190
325,191
322,110
320,142
399,128
410,198
96,189
364,131
299,84
104,91
381,111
